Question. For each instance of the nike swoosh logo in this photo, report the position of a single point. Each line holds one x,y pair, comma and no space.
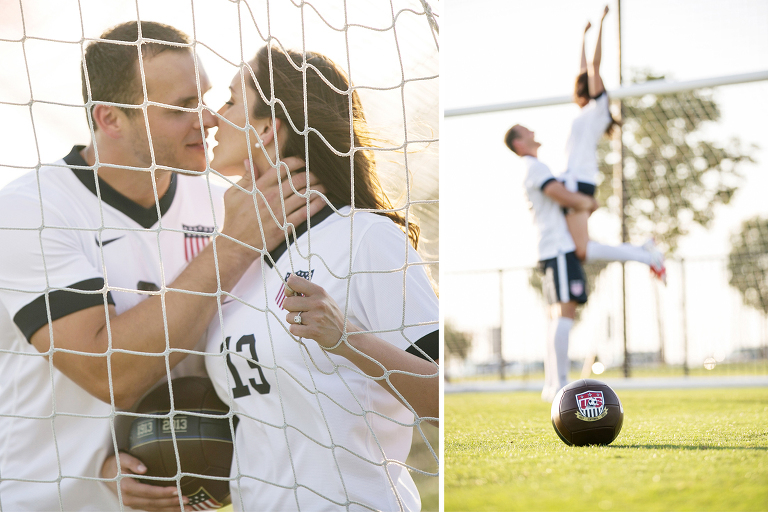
105,242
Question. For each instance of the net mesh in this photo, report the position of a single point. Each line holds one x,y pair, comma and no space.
388,50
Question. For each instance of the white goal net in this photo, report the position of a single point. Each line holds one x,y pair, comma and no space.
389,51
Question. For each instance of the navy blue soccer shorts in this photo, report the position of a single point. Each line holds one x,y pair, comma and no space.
564,279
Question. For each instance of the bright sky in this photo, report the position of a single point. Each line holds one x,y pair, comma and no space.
496,51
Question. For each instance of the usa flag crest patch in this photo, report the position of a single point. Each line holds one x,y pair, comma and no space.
591,406
195,240
280,297
577,288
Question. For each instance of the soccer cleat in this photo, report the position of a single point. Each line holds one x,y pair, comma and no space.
658,269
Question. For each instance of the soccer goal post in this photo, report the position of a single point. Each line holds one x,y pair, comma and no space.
661,86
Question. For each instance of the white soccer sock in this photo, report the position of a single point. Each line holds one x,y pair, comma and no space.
550,363
557,364
624,252
562,335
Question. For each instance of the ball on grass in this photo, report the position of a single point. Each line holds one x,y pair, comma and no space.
204,443
587,412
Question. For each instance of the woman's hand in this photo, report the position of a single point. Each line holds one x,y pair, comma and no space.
134,493
312,313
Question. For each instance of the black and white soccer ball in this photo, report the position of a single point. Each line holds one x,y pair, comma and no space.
587,412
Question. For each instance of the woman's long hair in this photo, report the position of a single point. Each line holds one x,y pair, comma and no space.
328,114
581,90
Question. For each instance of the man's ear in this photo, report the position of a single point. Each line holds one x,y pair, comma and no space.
110,120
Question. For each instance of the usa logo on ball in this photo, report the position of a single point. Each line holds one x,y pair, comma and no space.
201,500
591,406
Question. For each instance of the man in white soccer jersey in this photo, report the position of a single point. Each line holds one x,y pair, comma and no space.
564,282
101,252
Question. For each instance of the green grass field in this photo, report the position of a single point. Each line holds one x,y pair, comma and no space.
679,450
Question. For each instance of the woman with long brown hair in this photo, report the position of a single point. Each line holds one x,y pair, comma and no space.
327,350
594,121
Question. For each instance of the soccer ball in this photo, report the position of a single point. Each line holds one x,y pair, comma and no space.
587,412
204,444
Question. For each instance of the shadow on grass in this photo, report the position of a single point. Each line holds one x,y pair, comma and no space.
686,447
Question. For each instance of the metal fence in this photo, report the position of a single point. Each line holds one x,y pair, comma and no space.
697,324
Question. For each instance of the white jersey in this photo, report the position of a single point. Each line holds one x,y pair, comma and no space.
554,237
84,242
315,433
581,148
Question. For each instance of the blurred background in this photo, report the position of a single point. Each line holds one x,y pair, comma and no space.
694,178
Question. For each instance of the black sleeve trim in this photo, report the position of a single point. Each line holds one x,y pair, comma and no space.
302,228
429,345
34,315
550,180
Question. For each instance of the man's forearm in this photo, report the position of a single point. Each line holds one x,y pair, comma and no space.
184,312
556,191
175,319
